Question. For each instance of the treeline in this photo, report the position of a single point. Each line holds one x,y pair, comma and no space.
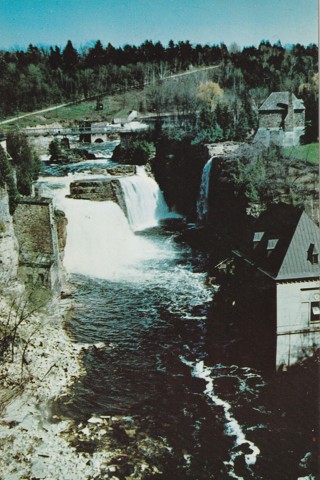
39,76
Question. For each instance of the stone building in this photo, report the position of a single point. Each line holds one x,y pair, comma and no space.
284,253
281,120
35,227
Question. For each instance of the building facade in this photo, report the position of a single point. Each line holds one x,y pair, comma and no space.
281,120
284,249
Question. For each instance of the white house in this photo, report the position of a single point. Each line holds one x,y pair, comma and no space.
298,295
284,249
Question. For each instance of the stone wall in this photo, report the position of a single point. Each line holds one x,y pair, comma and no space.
33,227
36,230
270,119
274,120
299,118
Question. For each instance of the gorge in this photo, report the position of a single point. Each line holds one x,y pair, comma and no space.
155,398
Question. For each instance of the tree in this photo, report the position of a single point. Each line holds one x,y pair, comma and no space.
209,93
25,161
7,179
70,57
55,149
96,56
137,152
55,58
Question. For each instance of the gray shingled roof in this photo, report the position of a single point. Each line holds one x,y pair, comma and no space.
283,252
277,100
295,263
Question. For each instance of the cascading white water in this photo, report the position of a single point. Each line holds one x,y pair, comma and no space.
202,203
233,429
100,242
144,201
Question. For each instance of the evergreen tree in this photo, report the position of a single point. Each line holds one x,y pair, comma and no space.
96,56
26,163
55,58
55,149
70,58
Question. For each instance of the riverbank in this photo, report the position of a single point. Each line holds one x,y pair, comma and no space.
33,444
37,444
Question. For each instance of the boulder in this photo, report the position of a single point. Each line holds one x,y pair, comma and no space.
99,190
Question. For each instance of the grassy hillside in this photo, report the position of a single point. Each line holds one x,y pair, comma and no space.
308,152
113,106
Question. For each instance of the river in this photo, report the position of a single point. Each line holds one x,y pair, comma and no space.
141,311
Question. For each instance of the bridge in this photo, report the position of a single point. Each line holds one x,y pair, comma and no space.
90,134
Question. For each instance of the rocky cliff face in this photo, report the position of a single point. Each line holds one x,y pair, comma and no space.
8,243
61,222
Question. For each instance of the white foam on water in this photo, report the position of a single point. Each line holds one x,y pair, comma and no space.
100,242
144,201
232,426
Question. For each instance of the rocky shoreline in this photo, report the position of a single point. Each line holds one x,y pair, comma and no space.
33,444
37,444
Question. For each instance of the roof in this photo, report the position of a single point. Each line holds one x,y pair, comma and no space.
282,243
296,262
279,101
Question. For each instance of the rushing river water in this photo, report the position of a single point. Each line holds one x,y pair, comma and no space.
138,293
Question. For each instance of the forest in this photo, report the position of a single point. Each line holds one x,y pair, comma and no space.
40,76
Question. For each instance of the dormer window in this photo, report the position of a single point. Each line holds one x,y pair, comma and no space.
257,237
313,254
272,243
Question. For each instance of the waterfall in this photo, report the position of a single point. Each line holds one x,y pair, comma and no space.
100,241
202,203
144,201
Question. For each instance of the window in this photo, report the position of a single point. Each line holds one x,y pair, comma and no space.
314,258
257,237
313,255
315,312
272,243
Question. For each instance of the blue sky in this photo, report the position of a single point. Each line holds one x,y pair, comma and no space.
247,22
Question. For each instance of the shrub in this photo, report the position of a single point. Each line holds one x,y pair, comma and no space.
138,152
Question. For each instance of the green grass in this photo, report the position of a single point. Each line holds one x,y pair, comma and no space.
115,106
308,152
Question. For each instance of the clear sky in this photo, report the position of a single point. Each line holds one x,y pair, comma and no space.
246,22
